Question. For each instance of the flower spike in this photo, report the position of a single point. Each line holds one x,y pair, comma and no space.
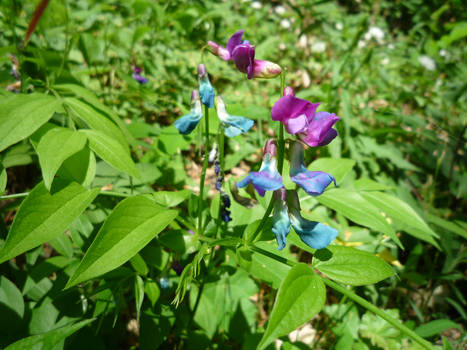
267,178
188,122
234,125
313,182
205,88
314,234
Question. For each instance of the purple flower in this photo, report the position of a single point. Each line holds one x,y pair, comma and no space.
267,178
313,182
242,53
137,75
300,117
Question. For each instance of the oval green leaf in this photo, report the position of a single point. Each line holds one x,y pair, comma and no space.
43,216
22,115
55,147
301,296
111,151
351,266
353,206
133,223
48,340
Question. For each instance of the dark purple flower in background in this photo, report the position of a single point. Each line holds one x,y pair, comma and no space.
300,117
242,53
137,75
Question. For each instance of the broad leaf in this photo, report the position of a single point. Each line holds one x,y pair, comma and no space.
55,147
171,199
22,115
43,216
351,266
133,223
435,327
301,296
353,206
48,340
11,305
96,120
398,210
111,151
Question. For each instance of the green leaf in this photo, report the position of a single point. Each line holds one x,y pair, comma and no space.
139,295
353,206
43,216
171,199
133,223
380,332
96,120
152,291
337,167
3,179
435,327
398,210
80,167
366,184
48,340
447,225
351,266
11,304
54,148
22,115
111,151
301,296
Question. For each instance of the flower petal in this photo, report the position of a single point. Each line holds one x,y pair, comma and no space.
313,182
206,92
290,107
243,56
265,69
139,78
280,219
318,132
244,124
187,123
235,39
219,50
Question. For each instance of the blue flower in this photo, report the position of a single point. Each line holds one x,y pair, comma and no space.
313,182
205,88
287,213
314,234
137,75
188,122
267,178
233,125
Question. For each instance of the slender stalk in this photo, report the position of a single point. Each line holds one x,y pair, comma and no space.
16,195
203,171
370,307
280,164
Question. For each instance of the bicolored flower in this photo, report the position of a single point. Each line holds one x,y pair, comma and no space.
233,125
187,123
313,182
287,213
267,178
300,117
137,75
314,234
242,53
206,90
280,218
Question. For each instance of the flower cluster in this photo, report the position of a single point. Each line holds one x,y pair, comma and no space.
300,117
233,125
137,75
242,53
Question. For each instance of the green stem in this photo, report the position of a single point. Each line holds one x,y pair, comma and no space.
220,142
205,165
280,164
370,307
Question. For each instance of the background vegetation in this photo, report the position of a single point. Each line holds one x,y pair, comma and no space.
394,71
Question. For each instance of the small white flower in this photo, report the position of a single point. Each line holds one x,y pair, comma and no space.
443,53
377,33
361,44
391,46
285,23
207,25
339,26
427,62
282,46
280,10
318,46
256,5
385,61
302,41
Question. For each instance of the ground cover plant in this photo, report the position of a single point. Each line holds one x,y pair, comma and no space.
246,175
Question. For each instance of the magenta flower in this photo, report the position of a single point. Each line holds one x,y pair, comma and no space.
242,53
300,117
